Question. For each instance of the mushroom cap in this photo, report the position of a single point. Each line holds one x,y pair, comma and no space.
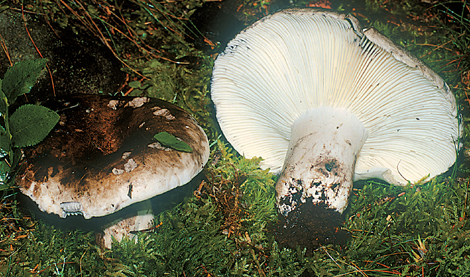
102,157
300,59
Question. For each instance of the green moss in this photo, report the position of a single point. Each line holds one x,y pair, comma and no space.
388,229
184,84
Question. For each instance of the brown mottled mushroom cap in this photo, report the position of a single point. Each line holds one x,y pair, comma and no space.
102,157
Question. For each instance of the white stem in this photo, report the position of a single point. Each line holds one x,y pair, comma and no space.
320,160
141,219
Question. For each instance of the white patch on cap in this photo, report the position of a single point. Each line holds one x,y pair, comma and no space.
157,145
113,104
163,112
117,171
137,102
126,155
130,165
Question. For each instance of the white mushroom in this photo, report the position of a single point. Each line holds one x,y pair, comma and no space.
109,166
325,103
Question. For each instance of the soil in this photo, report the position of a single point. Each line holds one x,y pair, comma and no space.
310,226
79,63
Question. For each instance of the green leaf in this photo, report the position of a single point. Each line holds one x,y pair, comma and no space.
30,124
21,77
15,157
5,142
170,141
4,172
135,92
134,84
155,64
3,102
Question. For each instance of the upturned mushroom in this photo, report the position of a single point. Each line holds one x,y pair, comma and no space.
325,103
107,153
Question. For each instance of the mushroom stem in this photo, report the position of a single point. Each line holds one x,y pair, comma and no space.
320,160
141,219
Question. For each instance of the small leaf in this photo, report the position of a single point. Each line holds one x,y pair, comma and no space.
135,92
134,84
155,64
15,157
21,77
170,141
4,172
30,124
5,143
3,101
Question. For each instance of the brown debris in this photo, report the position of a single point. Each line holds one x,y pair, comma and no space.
310,226
226,193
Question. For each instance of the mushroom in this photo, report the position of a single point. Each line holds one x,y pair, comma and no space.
325,103
103,156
